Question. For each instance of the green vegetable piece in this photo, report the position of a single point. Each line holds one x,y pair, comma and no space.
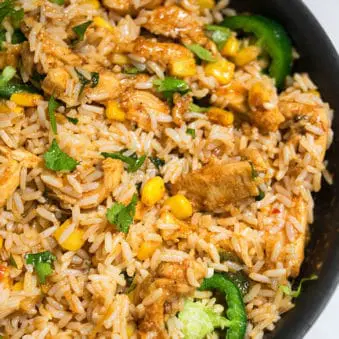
170,85
57,160
240,280
12,262
84,81
197,109
74,121
157,162
121,215
7,9
94,79
18,37
52,106
132,161
191,132
260,196
272,37
220,35
58,2
295,294
80,31
201,52
199,320
42,263
236,312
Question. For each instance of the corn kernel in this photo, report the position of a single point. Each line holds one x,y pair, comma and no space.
94,3
120,59
5,109
183,67
220,116
180,206
1,242
75,240
246,55
18,286
26,99
231,47
153,191
114,112
206,4
131,329
101,22
222,70
60,118
147,249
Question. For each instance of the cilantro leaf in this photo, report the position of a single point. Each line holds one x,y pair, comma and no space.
57,160
12,261
132,161
191,132
197,109
260,196
121,215
157,162
74,121
58,2
201,52
84,81
7,9
52,106
80,30
94,79
220,35
294,294
42,263
169,85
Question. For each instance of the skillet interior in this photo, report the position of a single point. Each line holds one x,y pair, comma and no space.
319,58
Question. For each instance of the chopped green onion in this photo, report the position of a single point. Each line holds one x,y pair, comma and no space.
197,109
201,52
58,2
132,161
52,106
191,132
12,262
220,35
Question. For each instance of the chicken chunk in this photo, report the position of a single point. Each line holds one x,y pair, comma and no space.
218,184
139,105
10,56
292,250
180,107
176,23
128,6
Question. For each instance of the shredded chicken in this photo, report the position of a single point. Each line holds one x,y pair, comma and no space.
129,6
180,107
218,184
176,23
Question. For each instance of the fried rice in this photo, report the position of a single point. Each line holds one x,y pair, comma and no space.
111,278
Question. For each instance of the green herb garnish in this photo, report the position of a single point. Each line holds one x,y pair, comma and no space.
201,52
220,35
191,132
169,85
57,160
260,196
7,9
157,162
133,161
58,2
42,263
121,215
84,81
197,109
94,79
12,261
80,31
18,37
74,121
295,294
52,106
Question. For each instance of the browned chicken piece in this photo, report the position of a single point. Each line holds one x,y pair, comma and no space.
112,169
254,156
176,23
165,54
172,279
180,107
217,184
139,105
292,252
10,56
266,118
10,170
128,6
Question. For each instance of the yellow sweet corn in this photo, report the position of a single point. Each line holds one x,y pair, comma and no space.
206,4
153,191
180,206
183,67
220,116
231,47
101,22
75,240
94,3
147,249
26,99
114,112
131,329
246,55
1,242
18,286
5,109
222,70
120,59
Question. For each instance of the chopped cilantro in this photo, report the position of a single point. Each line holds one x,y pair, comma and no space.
7,9
18,37
254,173
58,2
121,215
74,121
169,85
201,52
80,31
157,162
197,109
132,161
84,81
94,79
42,263
12,262
57,160
260,196
191,132
220,35
288,291
52,106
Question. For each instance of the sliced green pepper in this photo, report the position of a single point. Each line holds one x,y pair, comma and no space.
272,37
236,312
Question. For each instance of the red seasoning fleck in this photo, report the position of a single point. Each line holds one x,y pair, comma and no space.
276,211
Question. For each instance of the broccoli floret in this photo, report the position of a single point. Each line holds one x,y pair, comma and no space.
199,320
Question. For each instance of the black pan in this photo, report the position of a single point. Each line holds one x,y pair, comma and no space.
319,58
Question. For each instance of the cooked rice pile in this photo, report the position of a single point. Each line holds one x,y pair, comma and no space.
89,292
